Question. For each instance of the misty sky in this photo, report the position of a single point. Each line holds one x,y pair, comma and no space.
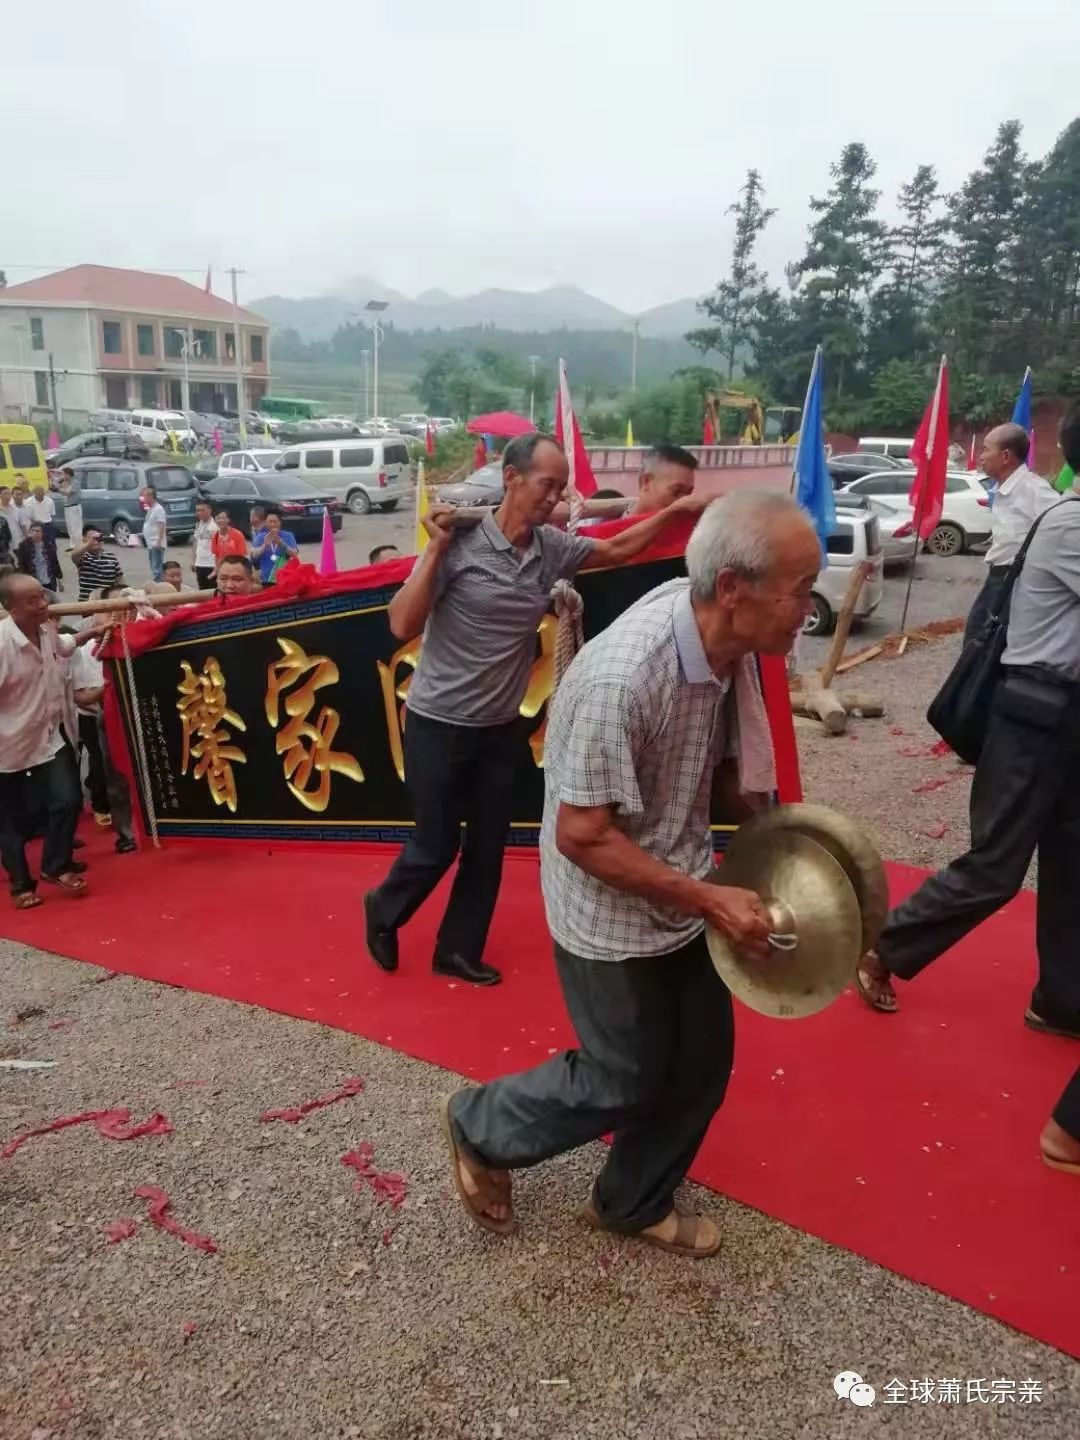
488,142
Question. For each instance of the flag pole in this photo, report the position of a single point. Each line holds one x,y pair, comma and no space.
920,508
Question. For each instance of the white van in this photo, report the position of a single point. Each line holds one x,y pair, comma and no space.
364,474
887,445
153,426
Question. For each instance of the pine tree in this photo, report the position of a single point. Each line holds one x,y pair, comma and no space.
1052,275
896,328
733,304
845,255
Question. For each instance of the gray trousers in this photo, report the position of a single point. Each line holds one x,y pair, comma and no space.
1025,796
657,1040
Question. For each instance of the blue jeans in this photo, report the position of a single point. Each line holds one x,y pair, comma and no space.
157,562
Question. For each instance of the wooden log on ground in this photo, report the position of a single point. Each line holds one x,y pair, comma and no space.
870,707
859,659
859,577
828,709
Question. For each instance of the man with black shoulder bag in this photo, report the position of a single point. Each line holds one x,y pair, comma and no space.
1023,732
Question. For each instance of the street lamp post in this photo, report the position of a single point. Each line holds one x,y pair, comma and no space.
365,356
633,358
185,347
376,307
534,360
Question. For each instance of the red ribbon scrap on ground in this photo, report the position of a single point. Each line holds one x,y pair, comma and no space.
110,1125
294,1113
386,1186
160,1205
939,750
118,1230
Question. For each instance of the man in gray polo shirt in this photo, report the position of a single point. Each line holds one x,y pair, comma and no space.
1025,795
640,732
478,595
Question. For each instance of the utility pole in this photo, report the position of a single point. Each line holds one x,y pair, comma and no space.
238,355
185,350
534,360
376,307
365,356
633,357
52,393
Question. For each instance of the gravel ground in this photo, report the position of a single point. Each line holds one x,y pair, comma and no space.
327,1314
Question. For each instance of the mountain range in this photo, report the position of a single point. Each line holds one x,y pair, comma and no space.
560,307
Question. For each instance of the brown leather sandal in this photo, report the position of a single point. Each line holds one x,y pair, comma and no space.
687,1231
874,985
1070,1167
489,1191
71,883
27,900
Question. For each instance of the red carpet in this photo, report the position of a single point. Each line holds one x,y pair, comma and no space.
911,1140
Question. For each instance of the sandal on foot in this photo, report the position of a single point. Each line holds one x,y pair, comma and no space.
488,1190
873,984
689,1233
1070,1167
72,884
27,900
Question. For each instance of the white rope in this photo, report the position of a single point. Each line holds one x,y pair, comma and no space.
140,740
570,633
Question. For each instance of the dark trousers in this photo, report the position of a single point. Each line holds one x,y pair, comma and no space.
985,601
204,574
116,787
1067,1110
54,789
90,741
1025,795
456,774
657,1041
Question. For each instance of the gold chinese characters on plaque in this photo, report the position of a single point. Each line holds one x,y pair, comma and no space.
306,744
206,720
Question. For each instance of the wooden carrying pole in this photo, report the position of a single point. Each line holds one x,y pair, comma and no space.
118,603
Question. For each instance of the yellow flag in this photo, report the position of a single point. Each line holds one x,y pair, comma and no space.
422,536
267,436
629,434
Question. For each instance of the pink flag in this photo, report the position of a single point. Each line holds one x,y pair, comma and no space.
971,454
53,441
429,439
582,478
218,445
327,558
930,456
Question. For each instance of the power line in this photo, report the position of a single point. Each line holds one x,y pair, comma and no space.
74,264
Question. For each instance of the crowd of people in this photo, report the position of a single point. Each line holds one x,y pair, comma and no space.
651,721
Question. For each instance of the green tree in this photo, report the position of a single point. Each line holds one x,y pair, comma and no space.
733,305
896,328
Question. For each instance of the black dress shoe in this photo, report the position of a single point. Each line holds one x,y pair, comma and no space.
78,844
381,944
125,845
457,967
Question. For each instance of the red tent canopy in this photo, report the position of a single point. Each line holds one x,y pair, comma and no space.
503,423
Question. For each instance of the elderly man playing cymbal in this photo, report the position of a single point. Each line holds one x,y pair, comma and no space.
652,716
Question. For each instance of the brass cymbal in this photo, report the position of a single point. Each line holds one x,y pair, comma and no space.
845,842
816,919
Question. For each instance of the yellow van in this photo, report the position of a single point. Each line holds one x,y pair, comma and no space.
20,454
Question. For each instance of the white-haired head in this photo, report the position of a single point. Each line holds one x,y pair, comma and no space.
737,533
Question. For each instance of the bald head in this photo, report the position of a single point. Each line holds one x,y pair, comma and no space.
25,601
1004,450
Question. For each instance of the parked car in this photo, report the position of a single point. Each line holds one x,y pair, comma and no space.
364,474
887,445
111,491
154,426
482,487
857,463
205,468
111,420
20,452
856,538
121,445
299,504
965,518
896,530
261,457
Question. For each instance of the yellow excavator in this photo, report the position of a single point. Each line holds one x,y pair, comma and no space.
776,425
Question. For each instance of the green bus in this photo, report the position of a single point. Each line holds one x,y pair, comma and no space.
281,407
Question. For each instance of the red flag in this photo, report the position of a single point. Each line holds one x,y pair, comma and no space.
930,456
429,439
582,478
206,287
971,454
708,435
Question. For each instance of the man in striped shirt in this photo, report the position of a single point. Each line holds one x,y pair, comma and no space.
96,566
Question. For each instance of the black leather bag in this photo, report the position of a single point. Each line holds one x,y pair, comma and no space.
960,711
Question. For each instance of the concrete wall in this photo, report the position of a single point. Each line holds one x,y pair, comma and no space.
65,334
720,467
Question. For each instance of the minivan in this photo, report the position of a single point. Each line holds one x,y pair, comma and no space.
856,538
20,454
364,474
154,426
887,445
111,491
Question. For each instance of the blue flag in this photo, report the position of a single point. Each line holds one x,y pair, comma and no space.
1022,409
813,483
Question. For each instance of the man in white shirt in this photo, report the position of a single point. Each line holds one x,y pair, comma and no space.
1020,497
202,554
41,510
154,532
17,515
38,733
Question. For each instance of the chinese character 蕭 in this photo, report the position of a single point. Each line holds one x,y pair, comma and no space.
948,1392
307,746
204,715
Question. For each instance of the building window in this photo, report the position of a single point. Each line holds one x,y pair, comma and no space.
37,334
256,349
145,335
230,345
41,387
174,343
110,332
148,392
116,392
206,344
176,394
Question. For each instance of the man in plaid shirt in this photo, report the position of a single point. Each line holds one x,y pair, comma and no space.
641,730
